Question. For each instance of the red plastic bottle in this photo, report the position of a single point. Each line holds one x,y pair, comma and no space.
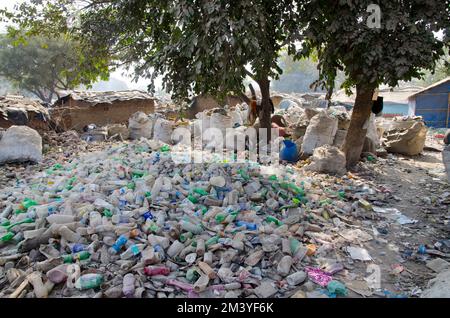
156,270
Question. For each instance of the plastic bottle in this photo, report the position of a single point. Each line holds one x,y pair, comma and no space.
133,250
193,228
80,256
128,285
6,212
175,248
117,246
77,247
248,226
89,281
7,237
156,270
95,219
274,220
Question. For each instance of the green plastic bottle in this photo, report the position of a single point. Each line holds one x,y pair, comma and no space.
220,217
213,240
81,256
192,274
89,281
200,191
294,245
27,220
7,237
185,236
137,174
274,220
165,148
192,199
28,203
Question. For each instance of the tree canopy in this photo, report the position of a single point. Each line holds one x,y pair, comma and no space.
43,66
210,46
394,41
196,46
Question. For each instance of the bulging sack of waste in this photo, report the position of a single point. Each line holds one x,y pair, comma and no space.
140,125
321,131
221,122
327,159
408,141
372,132
20,144
118,129
163,130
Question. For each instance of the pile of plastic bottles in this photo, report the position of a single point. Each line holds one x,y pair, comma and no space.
129,222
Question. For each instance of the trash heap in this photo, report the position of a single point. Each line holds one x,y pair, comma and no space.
126,221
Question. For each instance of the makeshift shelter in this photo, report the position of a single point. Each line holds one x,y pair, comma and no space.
21,111
80,108
433,104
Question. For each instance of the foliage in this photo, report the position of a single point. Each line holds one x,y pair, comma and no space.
401,49
197,46
44,66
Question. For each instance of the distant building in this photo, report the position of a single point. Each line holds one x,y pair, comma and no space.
433,104
21,111
395,101
80,108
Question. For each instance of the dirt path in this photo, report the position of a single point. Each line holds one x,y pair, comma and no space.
420,192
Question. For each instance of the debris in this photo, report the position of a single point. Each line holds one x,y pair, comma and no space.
289,151
358,253
337,288
439,287
265,290
318,276
438,265
140,125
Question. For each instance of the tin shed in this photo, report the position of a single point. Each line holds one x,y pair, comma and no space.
433,104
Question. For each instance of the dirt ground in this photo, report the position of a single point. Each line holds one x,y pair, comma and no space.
420,192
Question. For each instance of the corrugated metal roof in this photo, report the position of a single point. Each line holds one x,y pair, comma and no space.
445,80
95,98
11,103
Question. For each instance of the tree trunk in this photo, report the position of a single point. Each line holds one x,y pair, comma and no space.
265,114
356,134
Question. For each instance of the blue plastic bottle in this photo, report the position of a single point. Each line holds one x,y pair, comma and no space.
117,246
